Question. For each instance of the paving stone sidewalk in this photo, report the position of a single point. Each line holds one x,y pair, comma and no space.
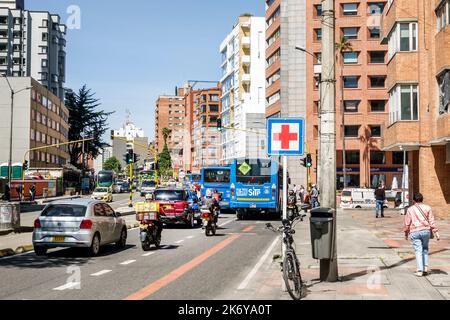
375,263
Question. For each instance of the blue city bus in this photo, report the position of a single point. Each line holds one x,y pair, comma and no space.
217,178
256,186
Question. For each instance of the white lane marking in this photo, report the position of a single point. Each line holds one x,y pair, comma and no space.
67,286
100,273
148,254
255,269
180,241
190,237
127,262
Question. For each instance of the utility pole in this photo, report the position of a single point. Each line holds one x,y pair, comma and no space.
328,267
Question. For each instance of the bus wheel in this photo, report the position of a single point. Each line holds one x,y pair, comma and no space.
239,214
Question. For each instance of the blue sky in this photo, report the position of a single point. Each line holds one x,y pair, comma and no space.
129,54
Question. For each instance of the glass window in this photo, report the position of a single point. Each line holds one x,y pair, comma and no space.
170,195
259,173
318,57
350,33
353,181
352,157
318,34
376,56
350,57
318,8
376,8
397,157
62,210
217,176
350,9
404,37
377,157
377,81
351,131
377,105
374,33
375,131
351,82
351,105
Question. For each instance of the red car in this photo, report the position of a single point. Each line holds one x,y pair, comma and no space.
174,207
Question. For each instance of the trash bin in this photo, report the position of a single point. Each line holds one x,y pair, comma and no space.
9,216
322,232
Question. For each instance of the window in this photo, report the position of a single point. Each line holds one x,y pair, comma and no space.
17,21
350,57
404,103
377,105
403,38
350,9
352,157
17,47
374,33
318,9
32,134
213,108
43,49
3,20
2,61
44,63
375,131
351,82
274,57
397,157
273,17
214,97
350,33
273,37
351,105
376,56
376,8
274,98
377,157
443,15
377,82
318,57
318,34
45,37
273,78
351,131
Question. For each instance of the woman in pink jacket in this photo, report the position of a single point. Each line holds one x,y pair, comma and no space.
419,226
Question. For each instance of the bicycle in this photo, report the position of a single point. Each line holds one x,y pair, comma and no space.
290,266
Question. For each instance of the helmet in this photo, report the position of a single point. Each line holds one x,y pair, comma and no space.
209,193
291,192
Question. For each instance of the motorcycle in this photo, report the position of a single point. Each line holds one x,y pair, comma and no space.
292,209
148,225
209,221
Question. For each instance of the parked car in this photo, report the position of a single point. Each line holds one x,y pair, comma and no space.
174,206
80,223
102,193
359,198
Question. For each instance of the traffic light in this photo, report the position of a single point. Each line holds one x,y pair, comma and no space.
112,134
135,158
219,124
25,166
309,163
130,156
304,163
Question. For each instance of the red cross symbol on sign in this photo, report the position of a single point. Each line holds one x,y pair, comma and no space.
285,137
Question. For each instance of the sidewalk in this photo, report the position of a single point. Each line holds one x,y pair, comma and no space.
375,262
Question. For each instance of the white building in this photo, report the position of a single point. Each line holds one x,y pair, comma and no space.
129,131
32,44
243,89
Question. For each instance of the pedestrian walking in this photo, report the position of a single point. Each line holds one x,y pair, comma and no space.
314,196
19,192
32,192
7,195
301,194
380,198
420,227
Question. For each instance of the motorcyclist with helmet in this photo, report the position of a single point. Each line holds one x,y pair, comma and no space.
292,202
150,197
210,201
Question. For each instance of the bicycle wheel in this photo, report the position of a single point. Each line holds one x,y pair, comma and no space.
292,277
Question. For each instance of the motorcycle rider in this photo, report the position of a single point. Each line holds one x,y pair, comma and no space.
211,202
292,201
150,197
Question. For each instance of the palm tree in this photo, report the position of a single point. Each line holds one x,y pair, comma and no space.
343,46
166,133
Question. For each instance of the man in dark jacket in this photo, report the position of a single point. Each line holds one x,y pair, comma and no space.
380,197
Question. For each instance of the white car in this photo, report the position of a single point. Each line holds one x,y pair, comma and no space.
103,194
359,198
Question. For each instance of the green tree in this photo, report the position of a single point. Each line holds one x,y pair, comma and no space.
165,163
85,121
112,164
166,133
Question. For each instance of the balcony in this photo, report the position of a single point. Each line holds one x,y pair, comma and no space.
403,68
400,10
405,134
246,78
246,42
443,50
246,60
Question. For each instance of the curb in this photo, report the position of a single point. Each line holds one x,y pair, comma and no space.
131,226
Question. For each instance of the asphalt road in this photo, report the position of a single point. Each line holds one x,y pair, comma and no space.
188,266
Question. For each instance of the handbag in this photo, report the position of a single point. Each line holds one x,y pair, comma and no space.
425,217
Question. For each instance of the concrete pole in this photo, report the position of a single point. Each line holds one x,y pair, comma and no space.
328,268
11,141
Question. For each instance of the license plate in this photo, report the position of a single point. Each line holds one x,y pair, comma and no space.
59,239
253,206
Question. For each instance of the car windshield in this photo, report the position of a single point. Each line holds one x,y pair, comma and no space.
171,195
101,190
148,183
64,210
346,194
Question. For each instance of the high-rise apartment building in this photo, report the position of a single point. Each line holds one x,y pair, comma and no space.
32,44
243,89
40,119
364,70
205,138
286,67
170,113
417,33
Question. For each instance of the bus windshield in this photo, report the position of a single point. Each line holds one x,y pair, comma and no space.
105,179
196,177
217,176
147,183
256,172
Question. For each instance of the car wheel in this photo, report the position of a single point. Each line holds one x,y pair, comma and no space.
192,222
95,246
40,251
123,239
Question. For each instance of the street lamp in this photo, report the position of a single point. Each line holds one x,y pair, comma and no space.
13,93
